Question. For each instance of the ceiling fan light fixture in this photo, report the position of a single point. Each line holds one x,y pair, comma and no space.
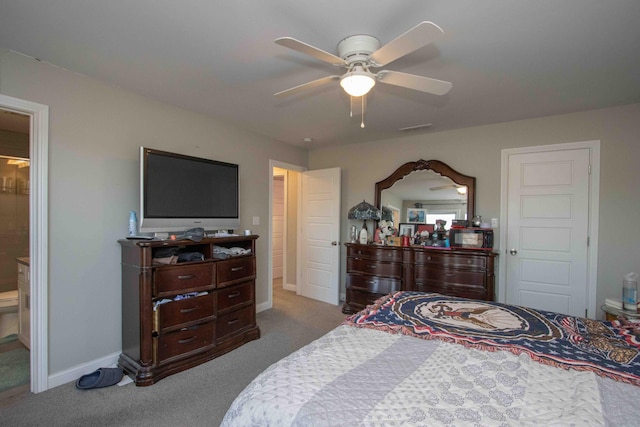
357,82
462,190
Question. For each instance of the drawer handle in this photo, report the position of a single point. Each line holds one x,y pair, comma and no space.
371,266
428,258
231,322
188,310
236,268
186,276
187,340
233,295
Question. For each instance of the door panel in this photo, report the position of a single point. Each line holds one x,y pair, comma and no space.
320,235
547,230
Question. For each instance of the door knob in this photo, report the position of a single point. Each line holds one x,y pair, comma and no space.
513,251
334,243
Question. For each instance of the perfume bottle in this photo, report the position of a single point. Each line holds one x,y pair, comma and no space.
133,223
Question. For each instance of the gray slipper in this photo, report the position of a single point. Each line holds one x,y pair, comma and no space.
103,377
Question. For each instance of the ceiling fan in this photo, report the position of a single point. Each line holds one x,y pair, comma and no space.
359,54
461,189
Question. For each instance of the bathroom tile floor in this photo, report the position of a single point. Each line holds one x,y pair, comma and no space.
20,389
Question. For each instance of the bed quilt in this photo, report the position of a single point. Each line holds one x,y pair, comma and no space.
608,349
359,374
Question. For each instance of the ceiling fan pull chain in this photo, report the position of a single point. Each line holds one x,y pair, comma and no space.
362,119
350,106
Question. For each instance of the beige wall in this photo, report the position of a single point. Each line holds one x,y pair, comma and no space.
476,151
95,131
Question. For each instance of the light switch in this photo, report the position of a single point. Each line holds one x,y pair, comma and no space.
494,222
256,220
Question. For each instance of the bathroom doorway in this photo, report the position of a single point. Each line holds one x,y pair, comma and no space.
38,236
15,289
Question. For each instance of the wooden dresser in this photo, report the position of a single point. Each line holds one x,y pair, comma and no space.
177,316
374,271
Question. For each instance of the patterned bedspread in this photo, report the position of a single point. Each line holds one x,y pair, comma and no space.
608,349
365,376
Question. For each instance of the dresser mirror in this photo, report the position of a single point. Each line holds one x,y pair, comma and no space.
418,190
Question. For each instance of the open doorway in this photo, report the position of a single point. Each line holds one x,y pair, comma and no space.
283,226
15,290
38,115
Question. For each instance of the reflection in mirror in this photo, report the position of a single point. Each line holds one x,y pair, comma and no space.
423,191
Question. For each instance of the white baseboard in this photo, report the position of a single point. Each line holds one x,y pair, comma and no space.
262,307
76,372
290,287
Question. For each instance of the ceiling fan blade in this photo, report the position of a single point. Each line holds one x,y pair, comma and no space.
411,81
444,187
313,51
305,86
421,35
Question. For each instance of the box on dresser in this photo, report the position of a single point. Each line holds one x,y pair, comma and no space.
176,316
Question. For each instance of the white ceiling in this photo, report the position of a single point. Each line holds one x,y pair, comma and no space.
507,60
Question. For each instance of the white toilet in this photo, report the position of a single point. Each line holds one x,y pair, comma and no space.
8,313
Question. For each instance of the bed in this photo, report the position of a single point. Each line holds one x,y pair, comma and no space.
426,359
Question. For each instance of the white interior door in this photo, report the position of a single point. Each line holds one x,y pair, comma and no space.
277,231
547,230
319,236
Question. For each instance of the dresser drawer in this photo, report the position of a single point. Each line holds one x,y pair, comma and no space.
235,321
451,260
361,299
455,289
434,274
177,279
467,284
376,268
378,285
236,270
235,296
183,342
379,253
188,310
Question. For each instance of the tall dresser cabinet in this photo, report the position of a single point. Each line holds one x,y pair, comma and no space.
374,271
178,315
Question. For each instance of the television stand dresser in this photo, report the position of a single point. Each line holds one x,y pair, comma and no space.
375,270
177,316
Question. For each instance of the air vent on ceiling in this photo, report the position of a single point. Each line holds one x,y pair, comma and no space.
415,128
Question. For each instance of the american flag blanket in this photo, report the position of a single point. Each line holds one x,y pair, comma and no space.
609,349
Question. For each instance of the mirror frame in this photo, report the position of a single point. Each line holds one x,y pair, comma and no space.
438,167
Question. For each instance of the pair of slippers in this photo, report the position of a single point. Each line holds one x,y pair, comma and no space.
103,377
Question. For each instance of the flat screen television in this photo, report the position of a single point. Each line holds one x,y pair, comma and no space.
179,192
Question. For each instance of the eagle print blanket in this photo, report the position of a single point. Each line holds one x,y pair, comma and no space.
609,349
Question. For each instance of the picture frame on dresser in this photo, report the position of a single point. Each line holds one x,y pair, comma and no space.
426,227
405,229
